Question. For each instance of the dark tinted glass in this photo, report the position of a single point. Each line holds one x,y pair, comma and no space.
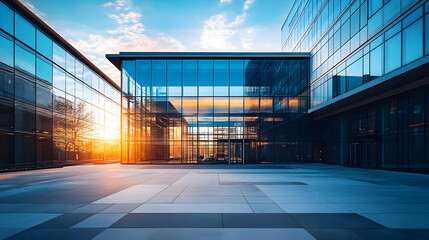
25,149
190,77
6,83
6,114
44,96
25,90
25,117
44,121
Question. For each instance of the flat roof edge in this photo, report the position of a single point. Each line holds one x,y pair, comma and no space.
115,59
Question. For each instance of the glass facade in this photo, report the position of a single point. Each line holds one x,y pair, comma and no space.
367,87
54,108
211,110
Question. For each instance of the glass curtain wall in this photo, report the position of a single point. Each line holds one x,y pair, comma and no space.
209,110
53,108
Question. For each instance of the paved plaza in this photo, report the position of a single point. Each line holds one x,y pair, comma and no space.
293,201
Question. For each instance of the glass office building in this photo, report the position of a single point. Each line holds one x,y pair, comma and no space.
369,86
212,107
56,107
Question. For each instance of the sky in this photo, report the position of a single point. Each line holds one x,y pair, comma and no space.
99,27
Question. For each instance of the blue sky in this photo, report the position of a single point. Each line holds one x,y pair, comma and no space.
98,27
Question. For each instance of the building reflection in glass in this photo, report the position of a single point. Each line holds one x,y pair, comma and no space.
211,110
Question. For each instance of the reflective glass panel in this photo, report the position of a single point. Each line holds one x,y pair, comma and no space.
143,75
392,53
412,42
44,69
6,50
6,18
25,31
174,77
236,77
189,77
44,45
205,77
25,59
221,77
159,78
376,61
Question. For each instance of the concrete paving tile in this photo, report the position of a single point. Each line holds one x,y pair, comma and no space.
207,234
121,208
170,220
91,208
407,221
334,220
312,208
57,233
100,220
266,208
193,208
24,220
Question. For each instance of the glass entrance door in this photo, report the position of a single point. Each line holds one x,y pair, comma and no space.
355,158
236,151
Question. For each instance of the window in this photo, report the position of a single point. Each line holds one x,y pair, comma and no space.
6,50
412,42
374,5
427,33
221,77
392,53
143,75
59,56
6,83
375,22
44,96
59,79
174,77
25,31
205,77
128,76
44,45
70,63
70,84
44,69
190,77
345,32
354,21
6,18
25,59
354,75
25,90
159,77
376,60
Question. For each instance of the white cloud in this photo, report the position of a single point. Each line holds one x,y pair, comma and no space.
225,1
247,4
128,35
219,34
130,17
125,5
35,10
